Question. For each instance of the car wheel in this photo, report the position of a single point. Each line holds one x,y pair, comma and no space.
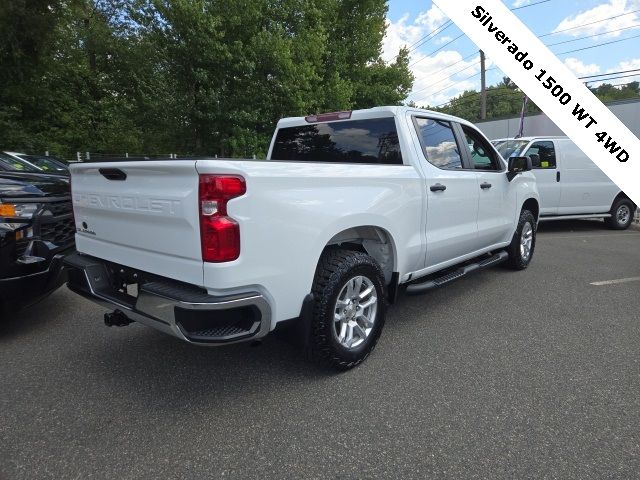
350,308
621,214
523,243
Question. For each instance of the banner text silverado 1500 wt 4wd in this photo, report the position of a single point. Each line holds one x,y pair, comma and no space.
348,207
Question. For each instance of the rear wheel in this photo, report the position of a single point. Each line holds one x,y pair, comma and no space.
349,312
621,214
523,243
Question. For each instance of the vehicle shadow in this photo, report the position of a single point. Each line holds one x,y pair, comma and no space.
587,225
28,320
143,365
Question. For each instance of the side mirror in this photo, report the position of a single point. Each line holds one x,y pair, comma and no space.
518,165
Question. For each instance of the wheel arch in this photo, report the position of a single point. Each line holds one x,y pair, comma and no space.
373,240
622,195
533,206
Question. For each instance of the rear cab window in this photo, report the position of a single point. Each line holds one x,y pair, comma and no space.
373,140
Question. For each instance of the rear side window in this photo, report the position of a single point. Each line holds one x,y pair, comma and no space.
438,143
354,141
546,155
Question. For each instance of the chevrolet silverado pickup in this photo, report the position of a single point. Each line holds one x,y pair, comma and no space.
347,209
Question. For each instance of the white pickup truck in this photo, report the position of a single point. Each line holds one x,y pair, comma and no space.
348,208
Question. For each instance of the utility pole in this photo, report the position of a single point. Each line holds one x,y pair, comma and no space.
483,88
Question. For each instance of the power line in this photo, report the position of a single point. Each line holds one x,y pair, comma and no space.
530,5
613,78
447,78
473,95
565,30
448,24
610,73
540,36
598,45
586,24
453,65
429,36
459,82
548,45
437,49
561,53
591,36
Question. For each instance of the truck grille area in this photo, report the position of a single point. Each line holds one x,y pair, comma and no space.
62,207
50,230
59,231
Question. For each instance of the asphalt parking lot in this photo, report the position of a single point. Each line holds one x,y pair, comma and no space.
532,374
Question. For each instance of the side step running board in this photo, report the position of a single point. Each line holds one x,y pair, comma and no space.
495,259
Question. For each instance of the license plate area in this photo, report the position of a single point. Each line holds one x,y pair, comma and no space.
125,280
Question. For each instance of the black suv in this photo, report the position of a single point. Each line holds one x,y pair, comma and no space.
36,230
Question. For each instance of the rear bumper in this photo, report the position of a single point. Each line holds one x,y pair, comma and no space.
178,309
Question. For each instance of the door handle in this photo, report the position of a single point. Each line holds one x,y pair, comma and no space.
485,185
438,187
557,176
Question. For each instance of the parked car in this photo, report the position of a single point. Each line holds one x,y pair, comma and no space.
348,208
46,164
570,184
13,163
36,231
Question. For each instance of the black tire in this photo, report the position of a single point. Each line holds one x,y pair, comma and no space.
622,213
517,260
335,269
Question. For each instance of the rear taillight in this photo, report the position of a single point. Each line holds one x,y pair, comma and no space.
219,233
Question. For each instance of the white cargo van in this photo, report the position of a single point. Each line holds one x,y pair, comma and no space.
570,184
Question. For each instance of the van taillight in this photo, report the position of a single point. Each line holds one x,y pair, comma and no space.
219,233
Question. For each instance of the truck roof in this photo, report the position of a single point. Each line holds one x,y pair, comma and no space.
531,138
376,112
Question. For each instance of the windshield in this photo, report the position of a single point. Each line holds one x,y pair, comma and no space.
510,148
45,163
13,164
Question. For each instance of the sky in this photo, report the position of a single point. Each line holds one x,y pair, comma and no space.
441,75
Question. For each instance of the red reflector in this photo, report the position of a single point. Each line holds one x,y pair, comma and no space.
219,234
328,117
220,239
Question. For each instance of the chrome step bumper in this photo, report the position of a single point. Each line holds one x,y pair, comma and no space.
185,311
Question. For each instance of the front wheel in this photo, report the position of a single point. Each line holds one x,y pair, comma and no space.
621,214
523,243
349,312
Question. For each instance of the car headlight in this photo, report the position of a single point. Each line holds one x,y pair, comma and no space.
18,210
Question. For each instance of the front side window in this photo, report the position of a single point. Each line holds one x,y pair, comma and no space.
542,155
482,155
355,141
438,143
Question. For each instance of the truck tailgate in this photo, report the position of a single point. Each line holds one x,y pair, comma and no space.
140,214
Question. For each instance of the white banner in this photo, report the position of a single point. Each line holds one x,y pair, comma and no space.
552,86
